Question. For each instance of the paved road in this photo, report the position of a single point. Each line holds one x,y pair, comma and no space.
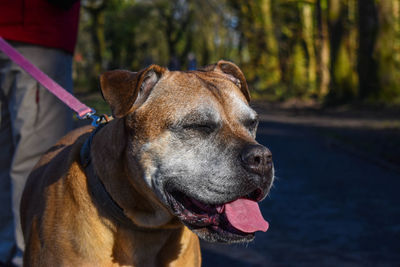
327,208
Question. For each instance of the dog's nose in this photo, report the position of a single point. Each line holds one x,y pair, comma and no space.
257,159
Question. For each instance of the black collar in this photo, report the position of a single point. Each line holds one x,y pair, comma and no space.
97,190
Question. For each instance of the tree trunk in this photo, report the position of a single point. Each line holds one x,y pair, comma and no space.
387,52
367,66
96,29
272,59
343,86
308,36
97,33
322,44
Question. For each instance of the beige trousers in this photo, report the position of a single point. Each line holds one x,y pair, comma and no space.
31,120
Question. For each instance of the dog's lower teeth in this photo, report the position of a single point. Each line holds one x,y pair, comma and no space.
220,209
209,220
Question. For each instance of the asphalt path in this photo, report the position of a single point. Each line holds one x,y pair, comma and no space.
328,207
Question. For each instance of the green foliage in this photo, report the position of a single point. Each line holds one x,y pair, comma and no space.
332,50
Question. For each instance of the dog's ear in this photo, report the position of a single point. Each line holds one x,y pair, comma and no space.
123,89
233,72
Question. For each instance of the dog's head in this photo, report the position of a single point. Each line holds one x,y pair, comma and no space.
193,136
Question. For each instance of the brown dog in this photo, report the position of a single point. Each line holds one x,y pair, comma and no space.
180,154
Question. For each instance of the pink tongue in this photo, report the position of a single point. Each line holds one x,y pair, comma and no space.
245,215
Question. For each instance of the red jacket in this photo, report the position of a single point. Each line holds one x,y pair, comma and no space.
39,22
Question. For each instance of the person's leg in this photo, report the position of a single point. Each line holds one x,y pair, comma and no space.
7,243
38,120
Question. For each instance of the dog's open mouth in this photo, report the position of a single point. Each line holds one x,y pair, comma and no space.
235,221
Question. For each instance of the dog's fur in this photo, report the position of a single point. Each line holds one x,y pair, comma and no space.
172,131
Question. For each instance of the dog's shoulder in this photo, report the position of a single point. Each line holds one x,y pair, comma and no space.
56,161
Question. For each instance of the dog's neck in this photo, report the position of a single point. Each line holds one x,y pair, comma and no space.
96,188
139,203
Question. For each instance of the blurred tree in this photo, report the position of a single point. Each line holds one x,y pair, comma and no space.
379,47
293,51
95,9
386,52
176,18
129,28
367,65
333,50
257,29
308,33
322,48
343,47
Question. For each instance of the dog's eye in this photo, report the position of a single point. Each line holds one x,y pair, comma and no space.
251,124
206,128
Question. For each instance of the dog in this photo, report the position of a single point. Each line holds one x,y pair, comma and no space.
178,161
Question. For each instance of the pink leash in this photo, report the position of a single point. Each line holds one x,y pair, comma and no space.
83,111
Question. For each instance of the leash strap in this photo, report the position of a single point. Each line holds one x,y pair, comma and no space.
104,200
83,111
